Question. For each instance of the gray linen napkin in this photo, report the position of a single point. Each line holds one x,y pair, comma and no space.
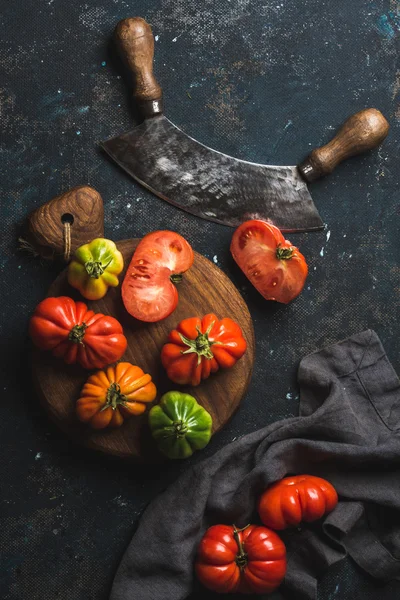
348,431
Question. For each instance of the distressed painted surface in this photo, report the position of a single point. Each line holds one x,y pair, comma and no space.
265,81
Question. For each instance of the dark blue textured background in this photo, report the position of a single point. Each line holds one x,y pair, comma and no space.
265,80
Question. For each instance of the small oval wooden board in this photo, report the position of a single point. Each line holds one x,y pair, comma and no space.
204,289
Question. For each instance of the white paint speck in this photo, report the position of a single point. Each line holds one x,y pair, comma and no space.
315,268
289,396
322,251
345,235
156,37
328,236
78,132
350,256
120,501
215,258
128,205
271,352
38,456
58,91
175,38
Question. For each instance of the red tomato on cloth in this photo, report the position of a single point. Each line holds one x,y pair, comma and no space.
292,500
249,561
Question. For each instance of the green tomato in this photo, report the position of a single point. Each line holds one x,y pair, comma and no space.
180,425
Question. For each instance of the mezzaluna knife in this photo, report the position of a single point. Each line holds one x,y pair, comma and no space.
213,185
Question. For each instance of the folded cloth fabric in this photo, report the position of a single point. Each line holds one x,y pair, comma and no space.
348,432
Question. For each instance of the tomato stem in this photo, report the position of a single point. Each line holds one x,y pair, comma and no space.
201,345
95,268
241,556
77,334
180,428
284,253
176,277
114,397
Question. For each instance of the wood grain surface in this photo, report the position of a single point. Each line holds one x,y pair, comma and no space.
135,42
205,288
361,132
81,207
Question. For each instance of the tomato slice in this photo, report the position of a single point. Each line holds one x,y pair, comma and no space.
148,291
274,266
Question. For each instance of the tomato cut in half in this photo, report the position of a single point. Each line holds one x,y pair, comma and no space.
274,266
148,290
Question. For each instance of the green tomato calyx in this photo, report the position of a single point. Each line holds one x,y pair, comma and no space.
201,345
176,277
77,334
95,268
284,253
114,397
180,429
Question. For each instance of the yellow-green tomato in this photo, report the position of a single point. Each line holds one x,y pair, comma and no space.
95,267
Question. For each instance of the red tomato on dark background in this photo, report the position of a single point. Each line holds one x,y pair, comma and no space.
274,266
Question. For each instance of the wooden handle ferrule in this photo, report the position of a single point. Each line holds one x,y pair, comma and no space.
135,42
361,132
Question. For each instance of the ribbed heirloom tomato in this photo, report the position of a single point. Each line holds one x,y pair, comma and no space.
249,561
294,499
198,347
108,397
76,334
274,266
148,290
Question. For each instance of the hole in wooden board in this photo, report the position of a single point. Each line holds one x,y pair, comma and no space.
67,218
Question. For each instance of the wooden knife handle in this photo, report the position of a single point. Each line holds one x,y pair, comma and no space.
135,43
361,132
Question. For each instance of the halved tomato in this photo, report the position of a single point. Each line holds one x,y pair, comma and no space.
148,290
274,266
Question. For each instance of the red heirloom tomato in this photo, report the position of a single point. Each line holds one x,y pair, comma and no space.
198,347
250,560
148,290
274,266
76,334
294,499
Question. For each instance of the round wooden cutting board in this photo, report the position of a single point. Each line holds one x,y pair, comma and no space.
205,288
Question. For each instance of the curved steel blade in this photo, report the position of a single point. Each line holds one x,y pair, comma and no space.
210,184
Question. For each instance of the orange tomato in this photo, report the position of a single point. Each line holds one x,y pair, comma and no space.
109,397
